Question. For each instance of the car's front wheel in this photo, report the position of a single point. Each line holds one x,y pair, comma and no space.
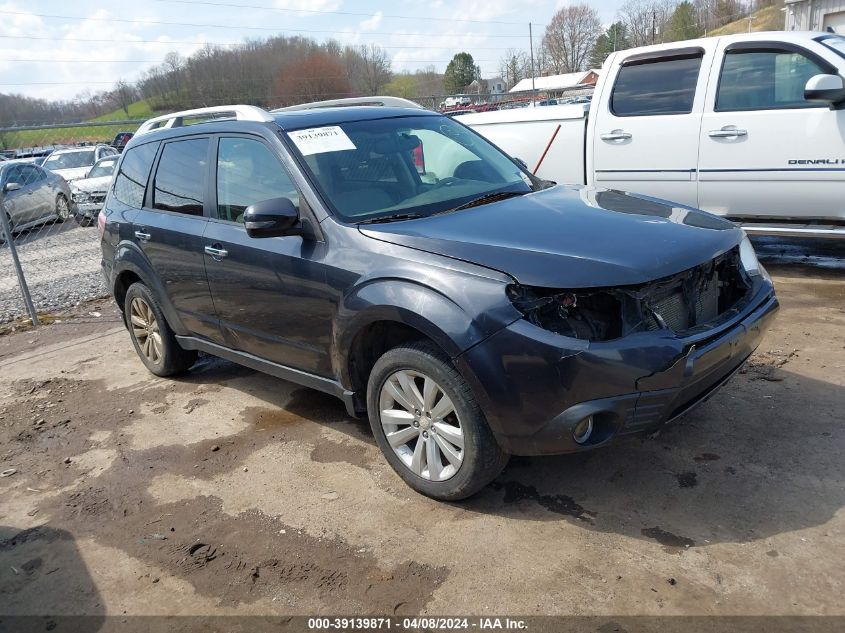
152,337
429,427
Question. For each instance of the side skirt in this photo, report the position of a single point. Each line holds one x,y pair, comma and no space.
312,381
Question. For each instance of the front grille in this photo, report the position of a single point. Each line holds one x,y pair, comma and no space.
696,296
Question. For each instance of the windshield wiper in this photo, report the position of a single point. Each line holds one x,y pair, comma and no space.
490,197
392,218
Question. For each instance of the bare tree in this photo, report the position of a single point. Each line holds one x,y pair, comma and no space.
514,66
368,68
645,21
570,37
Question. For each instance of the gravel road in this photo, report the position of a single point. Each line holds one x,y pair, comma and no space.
61,262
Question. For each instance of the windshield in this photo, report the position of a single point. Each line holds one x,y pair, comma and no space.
103,168
412,165
836,43
70,160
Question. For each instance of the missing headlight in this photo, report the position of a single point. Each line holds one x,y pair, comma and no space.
692,300
591,315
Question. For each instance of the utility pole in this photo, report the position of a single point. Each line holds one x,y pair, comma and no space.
653,26
6,228
531,42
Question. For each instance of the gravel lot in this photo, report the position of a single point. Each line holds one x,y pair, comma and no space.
61,262
231,492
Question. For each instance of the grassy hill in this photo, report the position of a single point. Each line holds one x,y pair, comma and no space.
137,110
768,19
59,136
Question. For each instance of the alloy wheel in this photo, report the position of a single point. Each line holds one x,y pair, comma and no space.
421,425
145,329
62,208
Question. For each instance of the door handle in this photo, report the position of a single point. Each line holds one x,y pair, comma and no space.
216,253
141,235
729,131
616,135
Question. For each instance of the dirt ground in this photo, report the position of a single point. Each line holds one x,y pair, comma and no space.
231,492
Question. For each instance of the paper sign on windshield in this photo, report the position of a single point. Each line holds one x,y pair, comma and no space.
319,140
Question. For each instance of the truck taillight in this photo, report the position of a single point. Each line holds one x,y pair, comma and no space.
101,224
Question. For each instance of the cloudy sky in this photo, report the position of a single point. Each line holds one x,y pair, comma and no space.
57,49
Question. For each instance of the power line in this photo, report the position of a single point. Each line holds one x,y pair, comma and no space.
326,12
196,42
161,61
229,26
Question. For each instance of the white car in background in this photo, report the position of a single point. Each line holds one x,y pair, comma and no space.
72,163
89,193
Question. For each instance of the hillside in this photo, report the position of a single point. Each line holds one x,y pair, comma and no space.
137,110
768,19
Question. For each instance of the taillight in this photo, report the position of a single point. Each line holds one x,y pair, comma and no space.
419,159
101,224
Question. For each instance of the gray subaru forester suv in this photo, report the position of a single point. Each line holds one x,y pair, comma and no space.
394,258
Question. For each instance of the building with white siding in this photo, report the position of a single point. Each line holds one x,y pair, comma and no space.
815,15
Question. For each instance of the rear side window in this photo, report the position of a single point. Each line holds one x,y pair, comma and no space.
248,172
180,178
134,171
663,86
765,80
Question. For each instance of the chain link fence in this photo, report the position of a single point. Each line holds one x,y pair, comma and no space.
49,244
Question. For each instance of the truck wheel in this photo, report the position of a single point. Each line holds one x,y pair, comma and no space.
428,426
151,335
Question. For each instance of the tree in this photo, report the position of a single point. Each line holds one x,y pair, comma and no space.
683,24
369,68
124,95
615,38
645,20
570,37
315,78
514,67
404,85
460,72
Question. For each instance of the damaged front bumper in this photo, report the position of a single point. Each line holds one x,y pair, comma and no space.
535,386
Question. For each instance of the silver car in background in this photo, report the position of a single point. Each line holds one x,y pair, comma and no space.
72,163
31,195
89,193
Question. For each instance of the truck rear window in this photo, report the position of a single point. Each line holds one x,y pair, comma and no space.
662,86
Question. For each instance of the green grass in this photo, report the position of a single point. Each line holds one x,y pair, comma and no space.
768,19
59,136
137,110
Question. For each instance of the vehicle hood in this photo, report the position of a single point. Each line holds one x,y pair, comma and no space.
571,237
92,184
72,174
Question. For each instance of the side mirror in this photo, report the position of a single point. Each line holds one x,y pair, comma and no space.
827,88
272,218
11,186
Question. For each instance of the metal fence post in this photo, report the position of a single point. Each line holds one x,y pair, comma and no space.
7,232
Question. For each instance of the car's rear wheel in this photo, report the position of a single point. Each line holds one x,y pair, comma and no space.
429,427
151,335
62,208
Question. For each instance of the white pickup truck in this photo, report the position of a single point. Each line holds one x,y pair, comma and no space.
749,126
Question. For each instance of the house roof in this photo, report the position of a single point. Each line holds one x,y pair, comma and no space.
553,82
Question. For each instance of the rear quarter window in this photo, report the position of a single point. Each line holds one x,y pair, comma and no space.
131,181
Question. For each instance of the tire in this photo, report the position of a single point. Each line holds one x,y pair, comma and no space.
3,237
151,335
463,471
62,208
